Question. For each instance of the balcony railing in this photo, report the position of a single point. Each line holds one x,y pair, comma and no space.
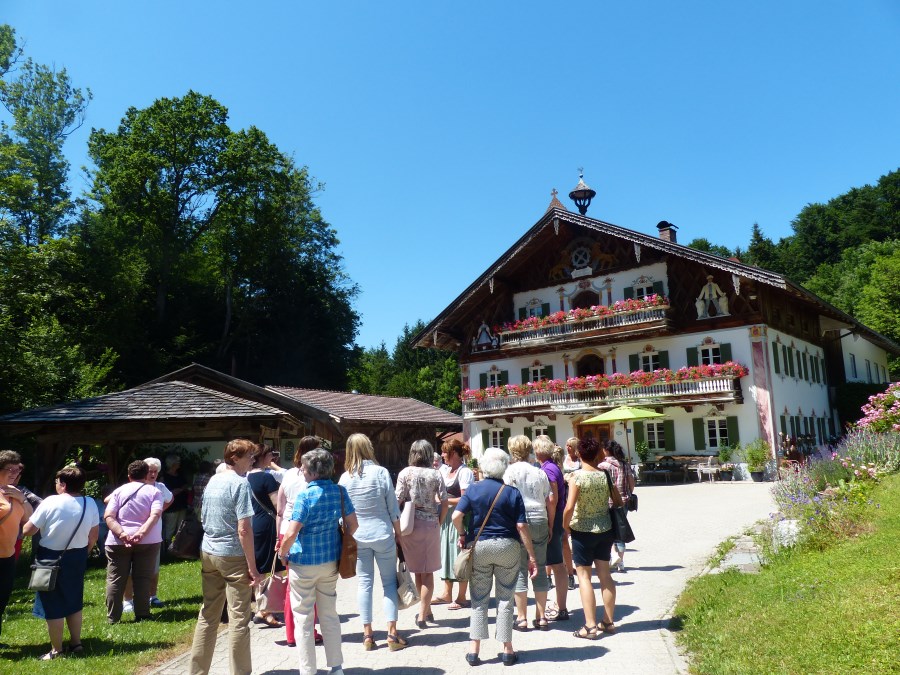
713,389
519,338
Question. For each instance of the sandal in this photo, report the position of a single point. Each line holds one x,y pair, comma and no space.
440,601
608,627
396,643
75,650
49,656
369,642
465,604
562,615
591,633
552,611
541,624
521,625
268,621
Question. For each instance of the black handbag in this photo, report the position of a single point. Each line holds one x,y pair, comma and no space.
186,542
618,514
44,573
632,502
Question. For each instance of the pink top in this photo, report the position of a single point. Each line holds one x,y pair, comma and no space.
146,501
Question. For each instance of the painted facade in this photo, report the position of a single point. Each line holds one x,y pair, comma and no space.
580,316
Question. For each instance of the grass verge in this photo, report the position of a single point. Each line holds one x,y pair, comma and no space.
126,647
807,611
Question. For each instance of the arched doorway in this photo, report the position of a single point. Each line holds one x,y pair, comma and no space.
589,364
585,300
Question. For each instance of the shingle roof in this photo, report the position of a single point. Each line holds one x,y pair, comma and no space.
369,408
162,400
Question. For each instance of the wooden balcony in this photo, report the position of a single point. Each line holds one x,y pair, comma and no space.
571,402
649,319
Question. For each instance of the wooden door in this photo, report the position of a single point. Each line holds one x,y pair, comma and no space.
599,432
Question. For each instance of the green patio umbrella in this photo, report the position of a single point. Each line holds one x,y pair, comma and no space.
624,414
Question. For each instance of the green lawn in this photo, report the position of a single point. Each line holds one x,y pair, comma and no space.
123,648
832,611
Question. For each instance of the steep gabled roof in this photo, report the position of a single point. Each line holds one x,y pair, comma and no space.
159,401
430,336
367,408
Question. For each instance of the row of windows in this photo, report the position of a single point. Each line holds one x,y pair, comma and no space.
879,378
592,364
791,362
818,427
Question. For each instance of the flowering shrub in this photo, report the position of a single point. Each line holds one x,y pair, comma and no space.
882,412
638,378
633,305
828,497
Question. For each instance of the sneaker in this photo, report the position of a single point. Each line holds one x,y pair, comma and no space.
156,602
571,582
127,607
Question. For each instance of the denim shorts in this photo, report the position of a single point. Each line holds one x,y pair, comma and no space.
554,546
590,546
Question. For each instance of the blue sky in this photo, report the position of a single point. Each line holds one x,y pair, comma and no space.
439,128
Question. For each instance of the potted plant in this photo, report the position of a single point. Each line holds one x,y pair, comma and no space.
757,454
726,467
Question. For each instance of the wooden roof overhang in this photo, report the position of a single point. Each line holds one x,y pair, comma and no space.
158,412
444,331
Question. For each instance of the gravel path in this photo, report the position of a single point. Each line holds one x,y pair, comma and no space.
678,528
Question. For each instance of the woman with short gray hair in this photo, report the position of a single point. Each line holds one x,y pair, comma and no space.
422,485
534,486
312,547
497,510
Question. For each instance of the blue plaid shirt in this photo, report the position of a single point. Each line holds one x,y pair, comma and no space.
318,507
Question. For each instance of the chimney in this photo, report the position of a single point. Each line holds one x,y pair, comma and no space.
667,231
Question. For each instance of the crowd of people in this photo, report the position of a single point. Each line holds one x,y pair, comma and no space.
534,515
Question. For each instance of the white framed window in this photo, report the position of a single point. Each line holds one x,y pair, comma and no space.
716,433
655,435
493,379
643,291
709,355
868,371
853,372
496,438
537,374
538,430
649,361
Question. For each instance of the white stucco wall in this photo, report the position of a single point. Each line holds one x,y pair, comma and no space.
863,351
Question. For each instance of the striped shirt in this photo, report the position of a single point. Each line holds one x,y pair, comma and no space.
318,508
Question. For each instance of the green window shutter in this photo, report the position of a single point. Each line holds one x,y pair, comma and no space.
824,372
793,426
548,372
551,432
693,356
658,287
482,380
485,439
669,435
725,351
504,377
523,313
628,292
699,433
526,375
639,435
664,359
790,360
783,425
732,425
506,435
634,363
528,432
545,309
805,367
799,364
815,369
775,358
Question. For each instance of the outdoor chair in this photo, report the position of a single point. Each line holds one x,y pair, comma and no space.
708,468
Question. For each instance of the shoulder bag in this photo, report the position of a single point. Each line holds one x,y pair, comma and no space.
45,572
187,540
408,517
347,562
618,514
465,560
271,591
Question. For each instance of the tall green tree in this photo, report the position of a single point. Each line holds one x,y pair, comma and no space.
45,108
705,245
